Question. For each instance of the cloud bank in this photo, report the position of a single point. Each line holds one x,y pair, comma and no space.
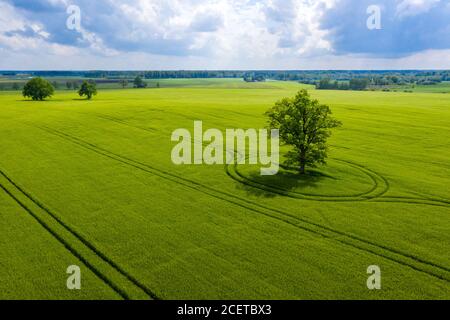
224,34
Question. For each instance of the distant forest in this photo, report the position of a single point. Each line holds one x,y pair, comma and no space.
323,79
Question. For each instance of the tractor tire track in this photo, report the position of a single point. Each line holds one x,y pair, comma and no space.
424,198
69,247
412,201
233,172
369,172
398,256
79,237
375,197
119,121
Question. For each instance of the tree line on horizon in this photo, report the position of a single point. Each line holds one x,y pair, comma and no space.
379,76
322,79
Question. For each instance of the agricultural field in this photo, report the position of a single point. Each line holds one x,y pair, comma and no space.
91,183
443,87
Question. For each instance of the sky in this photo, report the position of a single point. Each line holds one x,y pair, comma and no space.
224,34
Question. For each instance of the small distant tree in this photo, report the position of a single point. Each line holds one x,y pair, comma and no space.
359,84
88,89
68,85
38,89
55,84
76,85
305,125
124,83
15,86
139,83
158,85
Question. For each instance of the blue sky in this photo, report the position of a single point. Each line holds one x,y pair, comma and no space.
224,34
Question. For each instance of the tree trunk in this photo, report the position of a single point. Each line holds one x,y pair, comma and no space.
302,168
303,163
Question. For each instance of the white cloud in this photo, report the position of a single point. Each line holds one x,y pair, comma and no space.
9,19
195,34
407,8
220,27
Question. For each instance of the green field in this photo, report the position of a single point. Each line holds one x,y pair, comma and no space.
443,87
91,183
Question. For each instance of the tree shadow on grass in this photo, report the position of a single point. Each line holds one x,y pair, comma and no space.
286,181
37,101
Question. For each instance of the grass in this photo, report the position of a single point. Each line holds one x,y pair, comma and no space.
98,175
227,83
443,87
34,263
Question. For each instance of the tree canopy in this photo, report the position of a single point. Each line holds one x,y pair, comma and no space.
38,89
124,83
139,83
305,125
88,89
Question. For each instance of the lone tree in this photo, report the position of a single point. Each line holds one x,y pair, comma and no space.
38,89
124,83
88,89
139,83
304,124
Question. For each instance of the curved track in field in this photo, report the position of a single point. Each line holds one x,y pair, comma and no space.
379,185
377,194
83,245
404,258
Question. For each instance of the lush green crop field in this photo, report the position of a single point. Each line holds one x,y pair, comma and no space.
91,183
443,87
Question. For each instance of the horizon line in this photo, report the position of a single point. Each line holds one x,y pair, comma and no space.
209,70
